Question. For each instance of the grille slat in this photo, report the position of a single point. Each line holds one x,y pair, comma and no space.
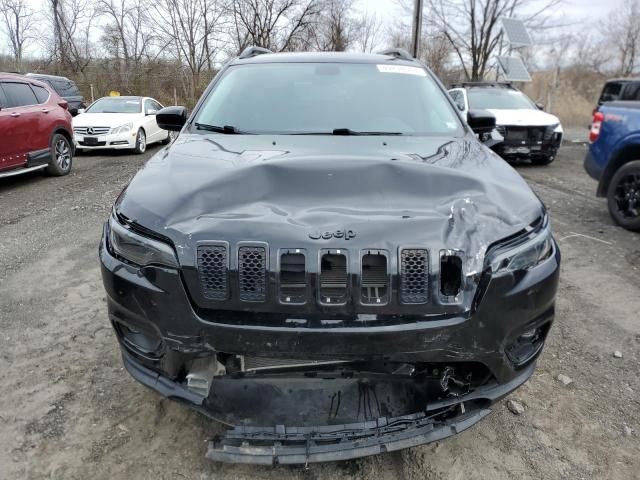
414,272
293,278
333,278
375,279
252,264
213,268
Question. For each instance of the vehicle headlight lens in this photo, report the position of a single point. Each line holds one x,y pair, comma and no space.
533,251
122,128
137,249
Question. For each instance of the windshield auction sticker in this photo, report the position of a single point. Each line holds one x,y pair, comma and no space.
402,69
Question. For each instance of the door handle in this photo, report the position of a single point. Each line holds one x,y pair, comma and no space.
44,110
15,114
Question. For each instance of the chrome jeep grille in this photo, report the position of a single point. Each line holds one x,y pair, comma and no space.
327,277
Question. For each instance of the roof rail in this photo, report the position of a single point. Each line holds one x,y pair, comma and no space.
397,53
253,51
481,83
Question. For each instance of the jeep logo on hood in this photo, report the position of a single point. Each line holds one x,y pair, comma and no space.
347,234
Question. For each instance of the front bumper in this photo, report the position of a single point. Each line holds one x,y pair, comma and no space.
529,147
370,389
116,141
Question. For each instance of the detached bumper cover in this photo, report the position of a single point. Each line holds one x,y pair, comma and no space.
284,444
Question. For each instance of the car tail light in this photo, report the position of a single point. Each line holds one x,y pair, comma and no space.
596,124
64,104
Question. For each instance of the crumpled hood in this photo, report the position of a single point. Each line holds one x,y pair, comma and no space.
389,191
524,117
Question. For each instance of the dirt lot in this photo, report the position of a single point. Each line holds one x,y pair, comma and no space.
69,411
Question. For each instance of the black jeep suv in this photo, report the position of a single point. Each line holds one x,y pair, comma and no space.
328,261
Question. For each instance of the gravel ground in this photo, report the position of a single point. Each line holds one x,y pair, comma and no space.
69,411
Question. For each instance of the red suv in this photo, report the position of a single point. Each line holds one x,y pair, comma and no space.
35,128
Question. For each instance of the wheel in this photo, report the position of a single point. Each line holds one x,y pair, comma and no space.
61,156
543,160
141,142
170,138
623,196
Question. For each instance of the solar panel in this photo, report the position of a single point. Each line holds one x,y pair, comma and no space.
516,32
513,69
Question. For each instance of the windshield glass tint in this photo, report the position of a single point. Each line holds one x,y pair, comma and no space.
115,105
290,98
499,99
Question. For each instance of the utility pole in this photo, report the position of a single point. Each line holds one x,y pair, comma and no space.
416,31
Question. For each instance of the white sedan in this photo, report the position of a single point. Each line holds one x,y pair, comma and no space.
119,123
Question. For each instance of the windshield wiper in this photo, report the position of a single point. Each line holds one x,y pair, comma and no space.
227,129
348,131
344,132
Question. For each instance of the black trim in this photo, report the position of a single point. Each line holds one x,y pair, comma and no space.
39,157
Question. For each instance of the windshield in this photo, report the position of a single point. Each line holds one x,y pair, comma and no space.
326,98
115,105
498,99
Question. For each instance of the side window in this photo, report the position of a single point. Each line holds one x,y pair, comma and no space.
148,106
19,94
42,94
156,105
458,99
3,99
610,92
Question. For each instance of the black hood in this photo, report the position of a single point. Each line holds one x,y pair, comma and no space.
388,191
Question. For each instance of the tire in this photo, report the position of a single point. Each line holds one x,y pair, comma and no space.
623,196
61,156
541,161
141,142
170,137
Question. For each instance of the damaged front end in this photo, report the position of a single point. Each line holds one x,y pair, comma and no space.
317,318
297,412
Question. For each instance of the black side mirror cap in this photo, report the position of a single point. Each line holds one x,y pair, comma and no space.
481,121
172,118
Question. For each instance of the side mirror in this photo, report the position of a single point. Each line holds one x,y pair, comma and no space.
80,110
152,111
172,118
540,106
481,121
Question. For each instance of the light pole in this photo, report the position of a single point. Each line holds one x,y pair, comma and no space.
416,31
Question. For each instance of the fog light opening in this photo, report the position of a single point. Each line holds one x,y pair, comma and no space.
527,345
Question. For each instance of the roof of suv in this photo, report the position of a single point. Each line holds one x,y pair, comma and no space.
325,57
44,75
23,78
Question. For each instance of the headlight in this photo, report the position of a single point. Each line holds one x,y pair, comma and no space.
122,128
525,255
138,249
548,133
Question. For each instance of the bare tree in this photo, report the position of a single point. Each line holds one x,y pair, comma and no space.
336,28
472,27
73,23
128,37
18,19
435,49
623,33
278,25
369,35
192,28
